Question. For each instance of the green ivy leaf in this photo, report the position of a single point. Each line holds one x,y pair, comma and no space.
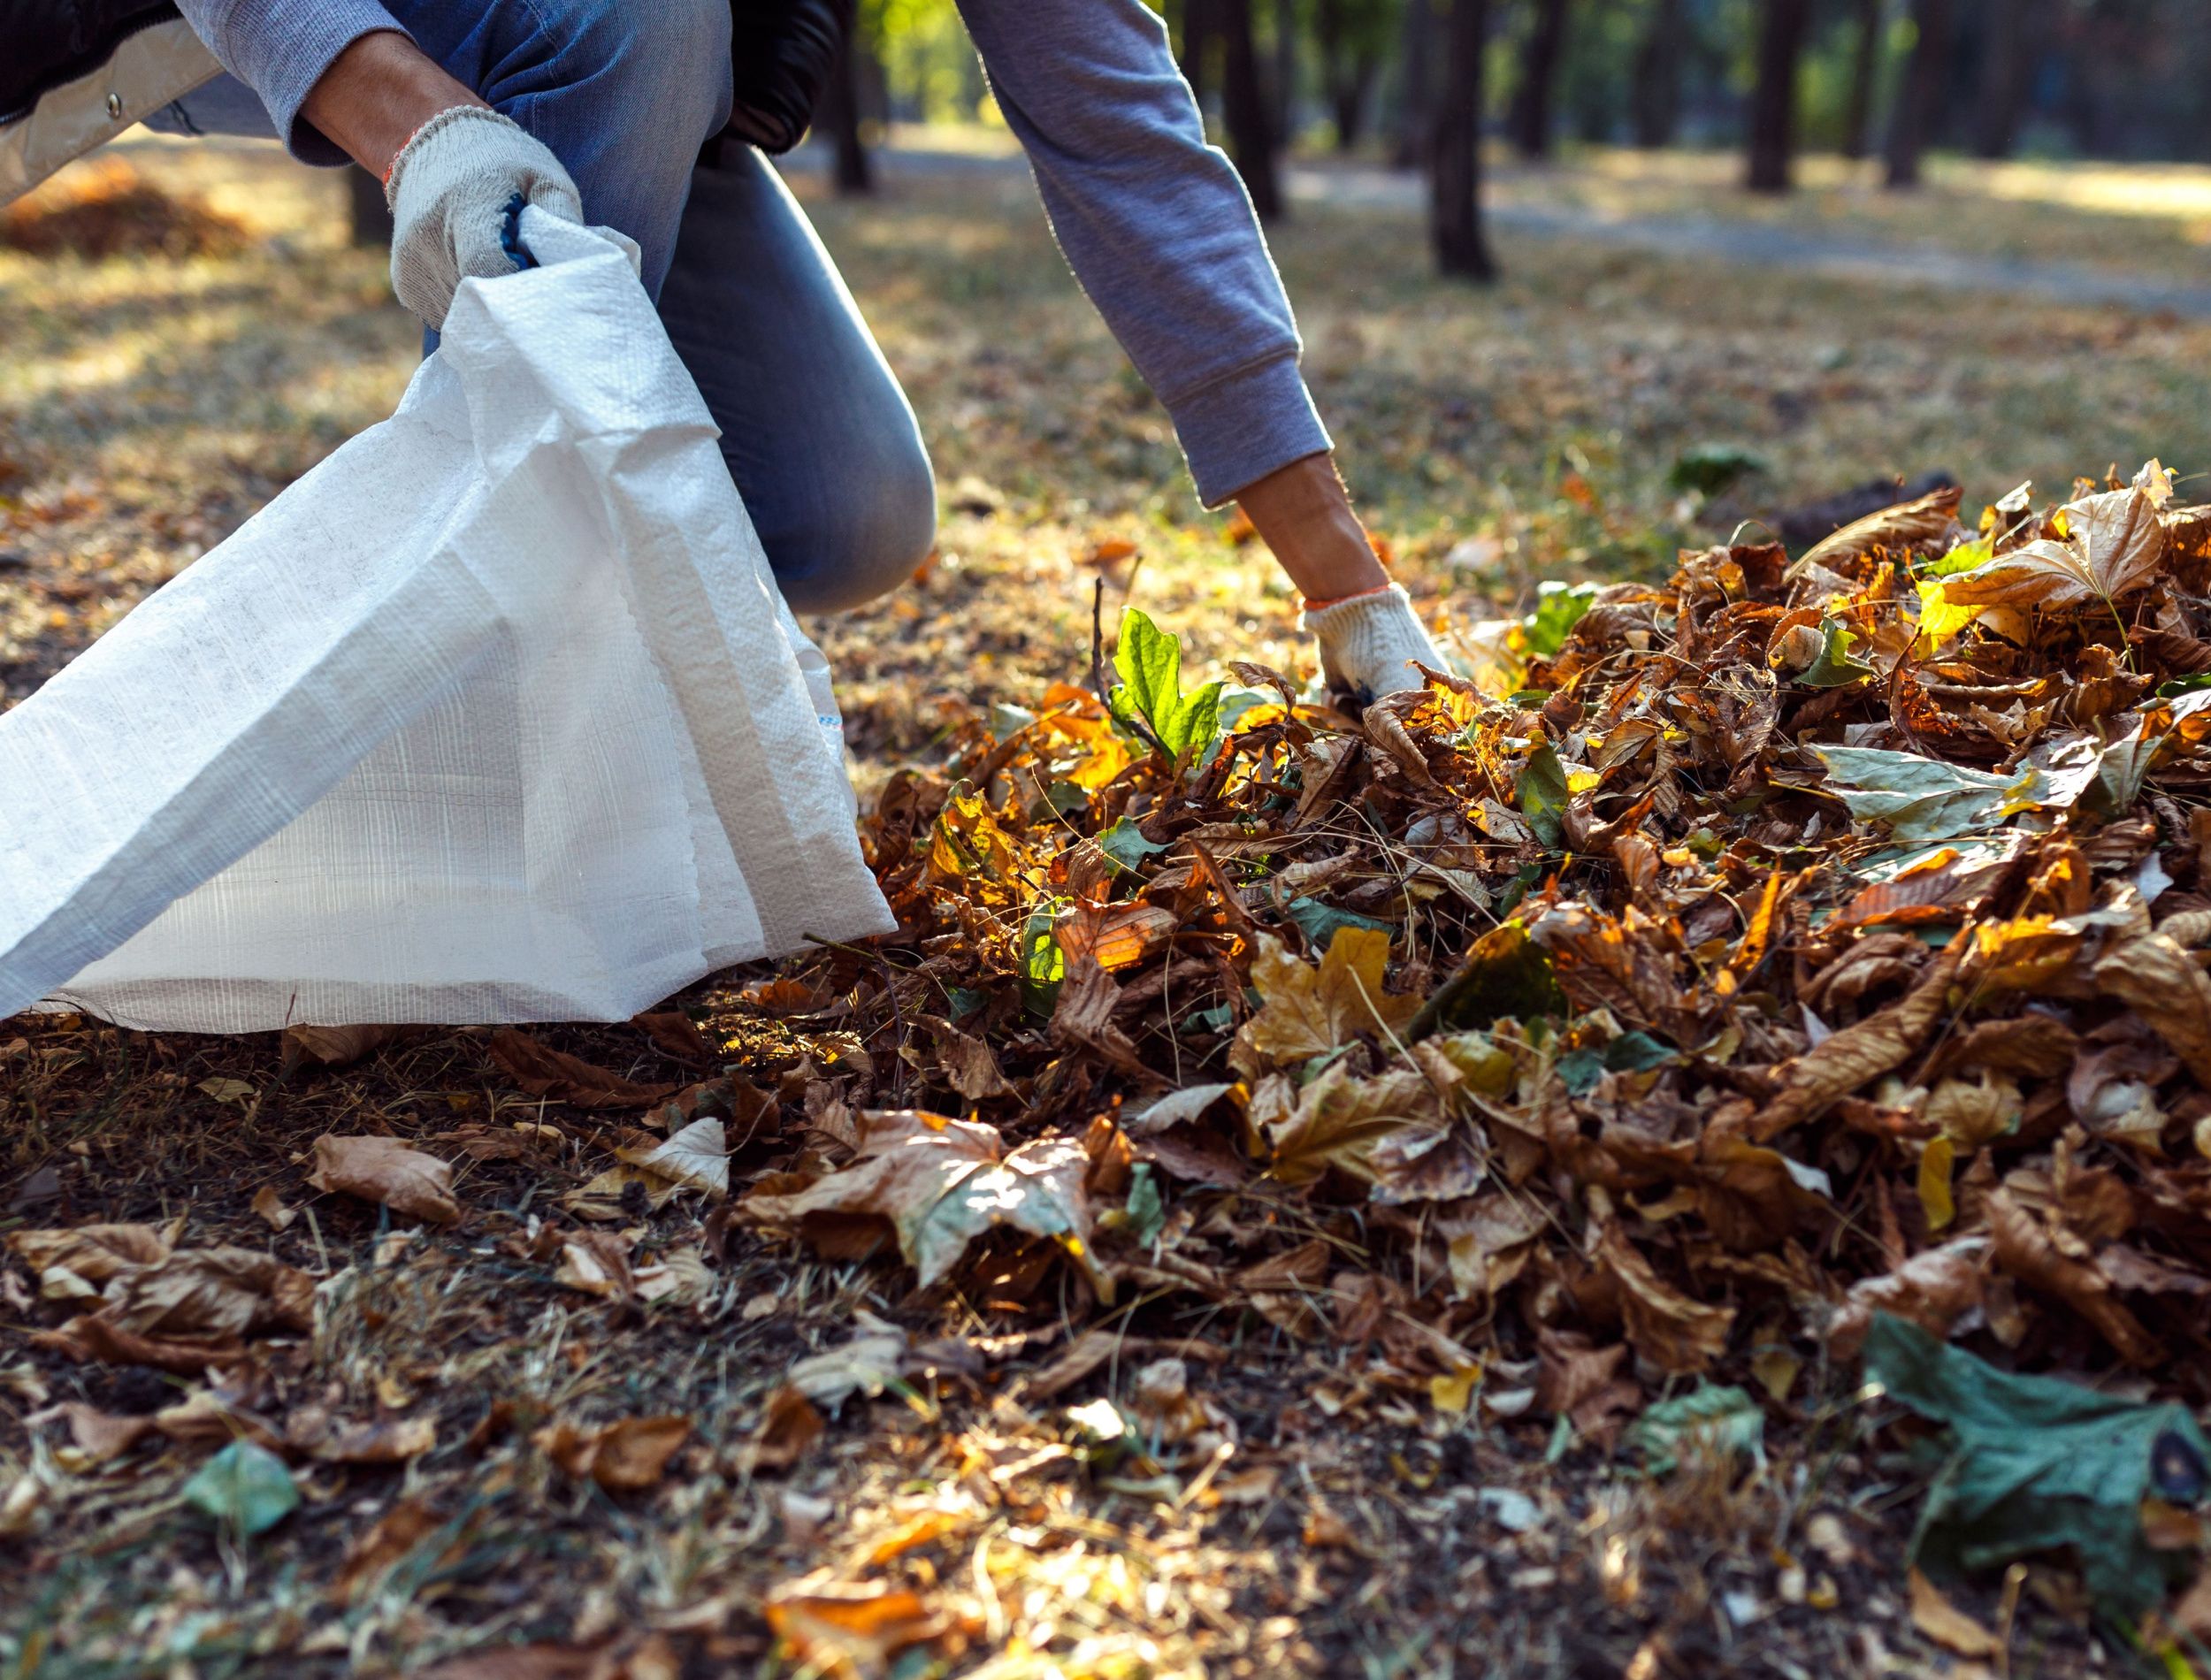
1149,662
1043,965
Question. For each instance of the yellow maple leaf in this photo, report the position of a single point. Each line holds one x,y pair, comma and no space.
1307,1011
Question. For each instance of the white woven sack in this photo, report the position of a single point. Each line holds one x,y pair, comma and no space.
495,715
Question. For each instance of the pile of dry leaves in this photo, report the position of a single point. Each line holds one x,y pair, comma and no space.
1602,1039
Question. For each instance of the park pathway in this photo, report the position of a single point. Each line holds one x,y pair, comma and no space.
1747,245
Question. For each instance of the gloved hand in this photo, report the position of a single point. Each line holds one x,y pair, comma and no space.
1367,643
453,190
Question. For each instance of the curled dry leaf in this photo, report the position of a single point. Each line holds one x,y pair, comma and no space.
844,1627
1674,1332
939,1184
543,1071
93,1252
625,1457
384,1170
334,1047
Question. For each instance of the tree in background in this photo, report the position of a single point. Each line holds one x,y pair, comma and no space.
837,113
1655,98
1919,95
1200,27
1782,25
1868,18
2012,32
1536,91
1353,37
1416,96
1244,109
1282,84
1455,227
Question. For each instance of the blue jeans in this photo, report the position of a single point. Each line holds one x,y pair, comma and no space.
820,440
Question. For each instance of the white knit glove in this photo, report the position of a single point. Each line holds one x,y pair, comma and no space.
1368,644
453,190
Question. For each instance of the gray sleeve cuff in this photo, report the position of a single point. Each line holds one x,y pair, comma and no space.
280,47
1238,429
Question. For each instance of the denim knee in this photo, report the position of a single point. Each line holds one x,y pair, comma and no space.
669,60
848,550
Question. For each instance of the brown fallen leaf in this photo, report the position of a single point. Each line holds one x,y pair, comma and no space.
220,1293
939,1184
623,1457
968,1064
1846,1060
385,1170
1339,1120
94,1252
1909,525
101,1435
389,1441
788,1426
851,1629
1949,1627
2025,1251
1674,1332
268,1207
334,1047
676,1035
2113,545
89,1339
1933,1289
2154,977
1308,1011
394,1537
543,1071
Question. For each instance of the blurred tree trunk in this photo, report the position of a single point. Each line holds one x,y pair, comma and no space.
839,114
369,217
2014,35
1655,101
1244,109
1416,110
1200,26
1865,71
1285,76
1347,70
1533,98
1455,159
1782,30
1919,95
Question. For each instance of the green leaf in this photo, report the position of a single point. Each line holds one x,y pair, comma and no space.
1541,790
1506,976
1709,468
1318,923
1043,965
1963,557
1558,609
2183,685
1835,668
1125,845
1630,1053
1710,1423
1579,1071
2033,1464
244,1487
1149,662
1924,799
1147,1208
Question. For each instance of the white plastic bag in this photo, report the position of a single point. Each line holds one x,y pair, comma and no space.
495,715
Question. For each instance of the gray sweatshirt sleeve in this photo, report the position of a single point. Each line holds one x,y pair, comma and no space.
1157,226
280,47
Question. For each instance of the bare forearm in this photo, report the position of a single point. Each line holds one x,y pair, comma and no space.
376,94
1303,513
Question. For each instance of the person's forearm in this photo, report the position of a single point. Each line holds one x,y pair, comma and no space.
1303,513
376,94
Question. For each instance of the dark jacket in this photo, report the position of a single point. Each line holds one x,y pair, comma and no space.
46,43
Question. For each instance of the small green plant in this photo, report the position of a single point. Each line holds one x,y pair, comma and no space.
1149,662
